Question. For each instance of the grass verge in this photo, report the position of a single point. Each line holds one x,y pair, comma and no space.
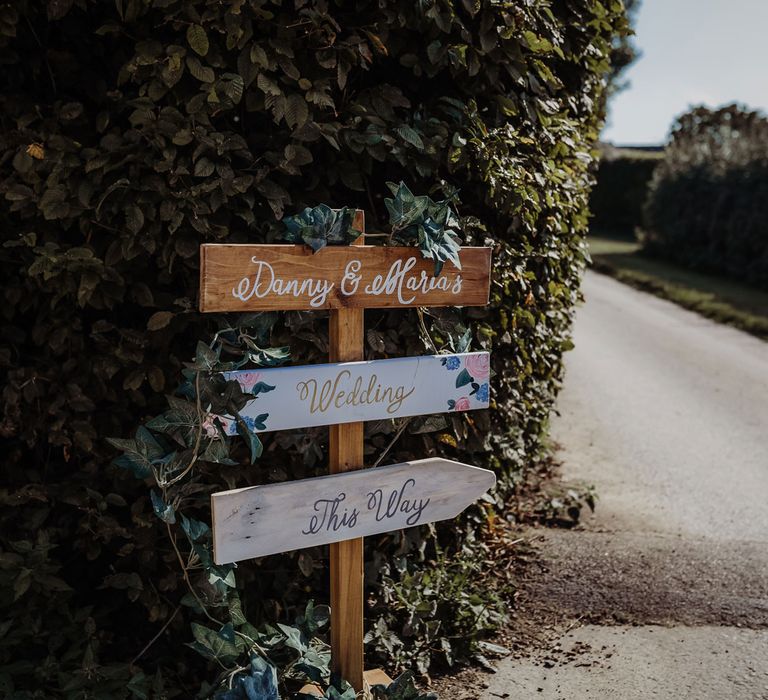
718,298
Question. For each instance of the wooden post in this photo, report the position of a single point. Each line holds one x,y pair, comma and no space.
346,454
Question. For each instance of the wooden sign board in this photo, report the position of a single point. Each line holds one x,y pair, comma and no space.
349,392
244,277
261,520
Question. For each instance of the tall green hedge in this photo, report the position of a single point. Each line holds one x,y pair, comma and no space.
130,132
707,206
621,189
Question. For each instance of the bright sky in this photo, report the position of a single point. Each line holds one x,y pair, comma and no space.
710,52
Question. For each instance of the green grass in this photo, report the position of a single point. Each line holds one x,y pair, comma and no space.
715,297
637,153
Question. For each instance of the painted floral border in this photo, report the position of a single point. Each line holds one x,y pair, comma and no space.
473,370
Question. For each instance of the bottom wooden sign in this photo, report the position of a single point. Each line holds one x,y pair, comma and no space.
261,520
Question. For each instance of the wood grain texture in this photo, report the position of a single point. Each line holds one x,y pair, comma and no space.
260,520
245,277
346,453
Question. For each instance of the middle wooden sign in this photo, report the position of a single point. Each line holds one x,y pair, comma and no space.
348,392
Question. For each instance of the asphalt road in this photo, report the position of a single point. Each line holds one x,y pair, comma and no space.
665,589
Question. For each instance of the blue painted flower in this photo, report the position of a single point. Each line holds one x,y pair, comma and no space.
482,393
452,363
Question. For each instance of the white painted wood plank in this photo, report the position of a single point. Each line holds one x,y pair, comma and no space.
261,520
347,392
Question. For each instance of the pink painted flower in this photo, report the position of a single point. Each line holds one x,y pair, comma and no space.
210,427
479,365
462,404
248,380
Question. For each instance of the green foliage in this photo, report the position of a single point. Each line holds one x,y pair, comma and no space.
432,226
321,226
624,51
438,613
131,132
564,506
402,688
621,189
708,202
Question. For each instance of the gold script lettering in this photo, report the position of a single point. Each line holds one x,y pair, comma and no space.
337,392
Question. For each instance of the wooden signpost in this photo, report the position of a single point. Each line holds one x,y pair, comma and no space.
342,508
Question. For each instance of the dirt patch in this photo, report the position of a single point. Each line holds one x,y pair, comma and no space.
575,577
533,629
629,578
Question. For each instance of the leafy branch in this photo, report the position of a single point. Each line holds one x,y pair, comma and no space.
431,226
320,226
165,453
418,221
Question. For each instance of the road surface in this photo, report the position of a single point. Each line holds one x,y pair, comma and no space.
665,589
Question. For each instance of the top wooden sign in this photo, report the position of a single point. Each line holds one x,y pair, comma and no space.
244,277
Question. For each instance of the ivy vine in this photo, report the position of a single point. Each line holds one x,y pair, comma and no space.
167,450
418,221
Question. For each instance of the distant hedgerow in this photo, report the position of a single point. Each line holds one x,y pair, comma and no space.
707,206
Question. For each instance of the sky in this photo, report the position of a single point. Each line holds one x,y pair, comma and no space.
710,52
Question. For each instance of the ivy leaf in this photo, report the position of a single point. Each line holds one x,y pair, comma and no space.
251,439
340,690
436,243
211,645
293,638
236,609
405,208
197,39
217,452
140,453
462,344
221,576
163,510
270,357
227,633
432,226
194,529
206,358
315,664
402,688
314,618
133,458
181,417
321,226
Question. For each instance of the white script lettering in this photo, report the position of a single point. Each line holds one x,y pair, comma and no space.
264,282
